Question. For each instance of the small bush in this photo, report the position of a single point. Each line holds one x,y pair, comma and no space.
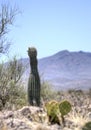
87,126
47,93
12,94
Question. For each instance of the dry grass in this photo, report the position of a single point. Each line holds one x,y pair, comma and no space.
78,118
74,120
4,127
42,127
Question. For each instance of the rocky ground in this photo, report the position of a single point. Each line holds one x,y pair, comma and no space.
27,118
35,118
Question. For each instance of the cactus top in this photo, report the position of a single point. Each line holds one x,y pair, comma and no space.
32,52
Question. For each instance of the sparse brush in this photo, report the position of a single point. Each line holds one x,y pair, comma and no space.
11,87
87,126
4,127
78,118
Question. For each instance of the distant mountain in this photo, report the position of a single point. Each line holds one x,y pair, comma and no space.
65,69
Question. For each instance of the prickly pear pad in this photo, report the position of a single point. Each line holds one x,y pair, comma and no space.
64,107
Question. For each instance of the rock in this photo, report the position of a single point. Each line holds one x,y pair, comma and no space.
33,118
42,127
17,124
89,115
26,118
9,114
46,127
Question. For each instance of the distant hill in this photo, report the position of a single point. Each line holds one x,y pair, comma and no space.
65,69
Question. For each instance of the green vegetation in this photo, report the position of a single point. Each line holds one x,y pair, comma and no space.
87,126
47,93
34,79
12,93
64,107
52,111
56,110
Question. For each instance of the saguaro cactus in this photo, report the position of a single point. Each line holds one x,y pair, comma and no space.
34,79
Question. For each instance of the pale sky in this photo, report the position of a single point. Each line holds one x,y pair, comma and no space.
51,26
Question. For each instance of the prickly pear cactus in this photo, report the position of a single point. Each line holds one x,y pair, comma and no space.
87,126
52,111
64,107
57,110
34,86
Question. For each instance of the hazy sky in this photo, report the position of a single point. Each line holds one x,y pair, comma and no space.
51,26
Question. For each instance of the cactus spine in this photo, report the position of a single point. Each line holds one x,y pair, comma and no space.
34,79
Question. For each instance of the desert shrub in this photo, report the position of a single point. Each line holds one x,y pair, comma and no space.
89,93
18,96
11,87
87,126
77,96
47,93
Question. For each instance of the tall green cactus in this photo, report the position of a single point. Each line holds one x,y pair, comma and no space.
34,86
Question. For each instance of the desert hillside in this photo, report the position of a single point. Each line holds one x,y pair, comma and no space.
36,118
65,69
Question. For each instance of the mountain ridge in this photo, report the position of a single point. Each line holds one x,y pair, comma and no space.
66,70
